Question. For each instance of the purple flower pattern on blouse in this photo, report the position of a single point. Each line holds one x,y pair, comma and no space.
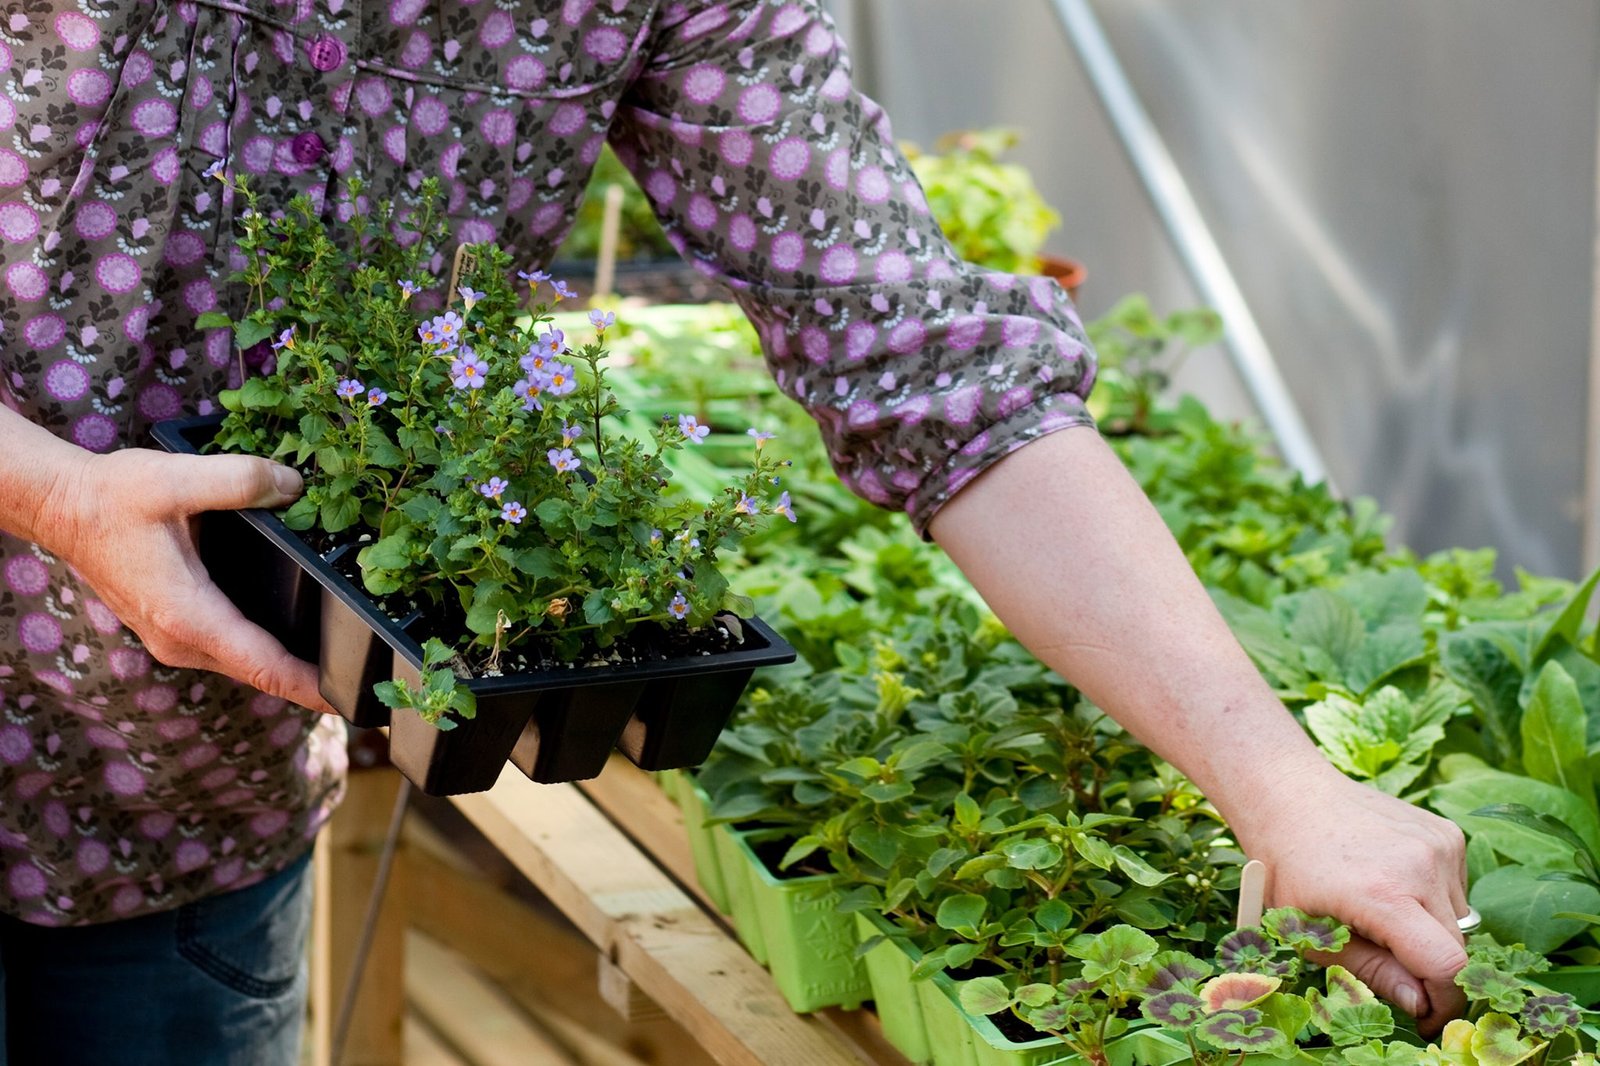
127,787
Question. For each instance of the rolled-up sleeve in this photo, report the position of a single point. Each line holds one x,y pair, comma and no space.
772,173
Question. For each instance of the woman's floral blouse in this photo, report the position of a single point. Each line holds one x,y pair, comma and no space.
126,787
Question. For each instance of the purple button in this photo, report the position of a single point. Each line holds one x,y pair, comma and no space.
307,148
327,53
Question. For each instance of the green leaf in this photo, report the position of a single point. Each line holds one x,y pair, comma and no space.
960,913
806,845
1120,949
388,553
489,598
1288,1014
876,842
213,320
967,812
1376,1053
260,394
302,514
1035,995
1493,680
983,996
1527,817
886,791
1473,785
1360,1022
1497,1040
1031,854
1569,621
1553,735
538,562
552,510
1053,916
340,512
1518,907
1137,869
251,332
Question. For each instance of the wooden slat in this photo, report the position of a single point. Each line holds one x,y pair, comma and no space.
470,1014
347,862
632,799
423,1046
660,937
452,902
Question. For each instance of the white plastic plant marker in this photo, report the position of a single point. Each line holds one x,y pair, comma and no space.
1252,893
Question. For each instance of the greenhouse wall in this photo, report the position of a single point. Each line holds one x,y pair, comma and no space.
1406,194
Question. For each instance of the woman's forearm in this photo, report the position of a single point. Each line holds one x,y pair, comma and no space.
1074,559
37,469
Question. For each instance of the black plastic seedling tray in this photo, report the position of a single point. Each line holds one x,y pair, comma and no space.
553,725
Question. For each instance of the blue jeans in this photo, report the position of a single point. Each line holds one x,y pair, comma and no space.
217,982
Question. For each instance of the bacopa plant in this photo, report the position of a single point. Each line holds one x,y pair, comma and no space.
473,449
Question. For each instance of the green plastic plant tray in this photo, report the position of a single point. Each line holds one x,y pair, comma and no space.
899,1007
924,1019
702,844
741,892
811,947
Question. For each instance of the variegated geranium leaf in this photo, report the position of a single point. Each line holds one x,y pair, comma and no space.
1174,1008
1299,931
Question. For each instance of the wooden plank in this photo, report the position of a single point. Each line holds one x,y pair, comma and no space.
452,902
470,1014
347,865
423,1046
632,799
645,923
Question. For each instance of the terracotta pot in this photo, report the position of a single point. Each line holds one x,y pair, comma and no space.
1069,272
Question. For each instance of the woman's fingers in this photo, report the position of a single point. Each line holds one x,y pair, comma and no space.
211,634
134,546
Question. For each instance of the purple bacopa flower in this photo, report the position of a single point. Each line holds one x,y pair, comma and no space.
564,461
470,296
760,436
513,512
561,379
570,432
494,488
693,541
784,507
746,505
376,397
350,388
285,340
551,342
528,392
428,333
655,536
562,290
690,426
467,370
602,320
679,607
408,289
215,170
533,278
448,325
